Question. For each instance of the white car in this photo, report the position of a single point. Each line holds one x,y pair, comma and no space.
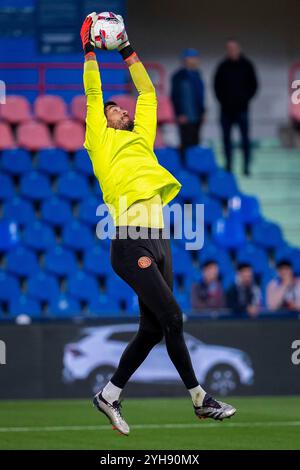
95,357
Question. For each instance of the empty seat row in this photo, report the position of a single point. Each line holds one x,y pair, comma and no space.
52,108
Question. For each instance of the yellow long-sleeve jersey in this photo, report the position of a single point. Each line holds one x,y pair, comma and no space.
123,161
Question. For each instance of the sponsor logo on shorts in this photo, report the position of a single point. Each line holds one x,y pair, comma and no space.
144,262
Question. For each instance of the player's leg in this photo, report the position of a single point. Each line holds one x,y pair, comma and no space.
226,125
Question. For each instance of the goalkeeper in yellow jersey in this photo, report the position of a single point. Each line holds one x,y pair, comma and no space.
136,187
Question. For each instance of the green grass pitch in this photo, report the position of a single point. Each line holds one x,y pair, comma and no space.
260,423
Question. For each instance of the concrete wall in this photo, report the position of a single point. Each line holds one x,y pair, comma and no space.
268,30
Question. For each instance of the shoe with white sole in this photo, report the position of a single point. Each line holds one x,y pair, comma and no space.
113,412
214,409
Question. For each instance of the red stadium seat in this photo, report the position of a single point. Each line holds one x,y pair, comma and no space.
69,135
127,102
16,109
33,135
159,143
165,112
6,137
50,108
78,107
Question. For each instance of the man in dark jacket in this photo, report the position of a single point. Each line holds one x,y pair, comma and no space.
244,296
235,85
188,97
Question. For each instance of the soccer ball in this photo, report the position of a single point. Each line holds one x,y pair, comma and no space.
109,31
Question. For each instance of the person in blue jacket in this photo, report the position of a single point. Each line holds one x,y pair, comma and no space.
188,97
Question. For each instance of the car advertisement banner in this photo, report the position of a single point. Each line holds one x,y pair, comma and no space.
229,357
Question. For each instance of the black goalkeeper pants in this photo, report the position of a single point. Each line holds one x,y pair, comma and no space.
146,265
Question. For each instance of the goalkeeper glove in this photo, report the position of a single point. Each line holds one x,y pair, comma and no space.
85,33
124,48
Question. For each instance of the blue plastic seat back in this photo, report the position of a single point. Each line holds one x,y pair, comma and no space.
35,186
169,158
19,210
191,187
38,236
97,261
24,305
72,186
77,236
201,160
7,189
16,161
229,233
83,163
56,211
43,286
52,161
9,287
82,286
9,235
22,262
255,256
64,306
104,305
60,262
245,208
222,184
267,234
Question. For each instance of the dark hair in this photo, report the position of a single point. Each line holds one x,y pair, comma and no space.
244,265
109,103
208,262
283,262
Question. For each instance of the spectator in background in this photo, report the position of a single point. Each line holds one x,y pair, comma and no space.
235,85
283,293
244,295
188,97
208,293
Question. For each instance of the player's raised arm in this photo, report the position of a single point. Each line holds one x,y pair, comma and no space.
96,123
145,120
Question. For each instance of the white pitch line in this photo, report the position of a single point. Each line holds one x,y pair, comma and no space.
148,426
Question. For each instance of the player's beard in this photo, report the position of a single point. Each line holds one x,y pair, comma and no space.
125,124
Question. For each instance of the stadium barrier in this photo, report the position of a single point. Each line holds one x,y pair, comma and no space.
255,357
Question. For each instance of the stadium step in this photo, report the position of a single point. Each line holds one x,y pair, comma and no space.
275,180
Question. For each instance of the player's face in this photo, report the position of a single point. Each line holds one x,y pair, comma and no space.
118,118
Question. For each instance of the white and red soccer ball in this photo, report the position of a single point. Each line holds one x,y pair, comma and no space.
108,31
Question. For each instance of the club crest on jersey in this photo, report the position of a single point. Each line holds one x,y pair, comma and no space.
144,262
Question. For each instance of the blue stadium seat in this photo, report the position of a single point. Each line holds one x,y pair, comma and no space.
83,162
104,305
64,306
83,286
169,158
212,210
222,184
16,161
211,252
42,286
22,262
183,298
9,235
35,186
9,287
19,210
6,187
38,236
52,161
182,262
60,262
24,305
77,236
228,233
201,160
87,210
245,208
267,235
72,186
56,211
255,256
97,261
191,188
118,289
